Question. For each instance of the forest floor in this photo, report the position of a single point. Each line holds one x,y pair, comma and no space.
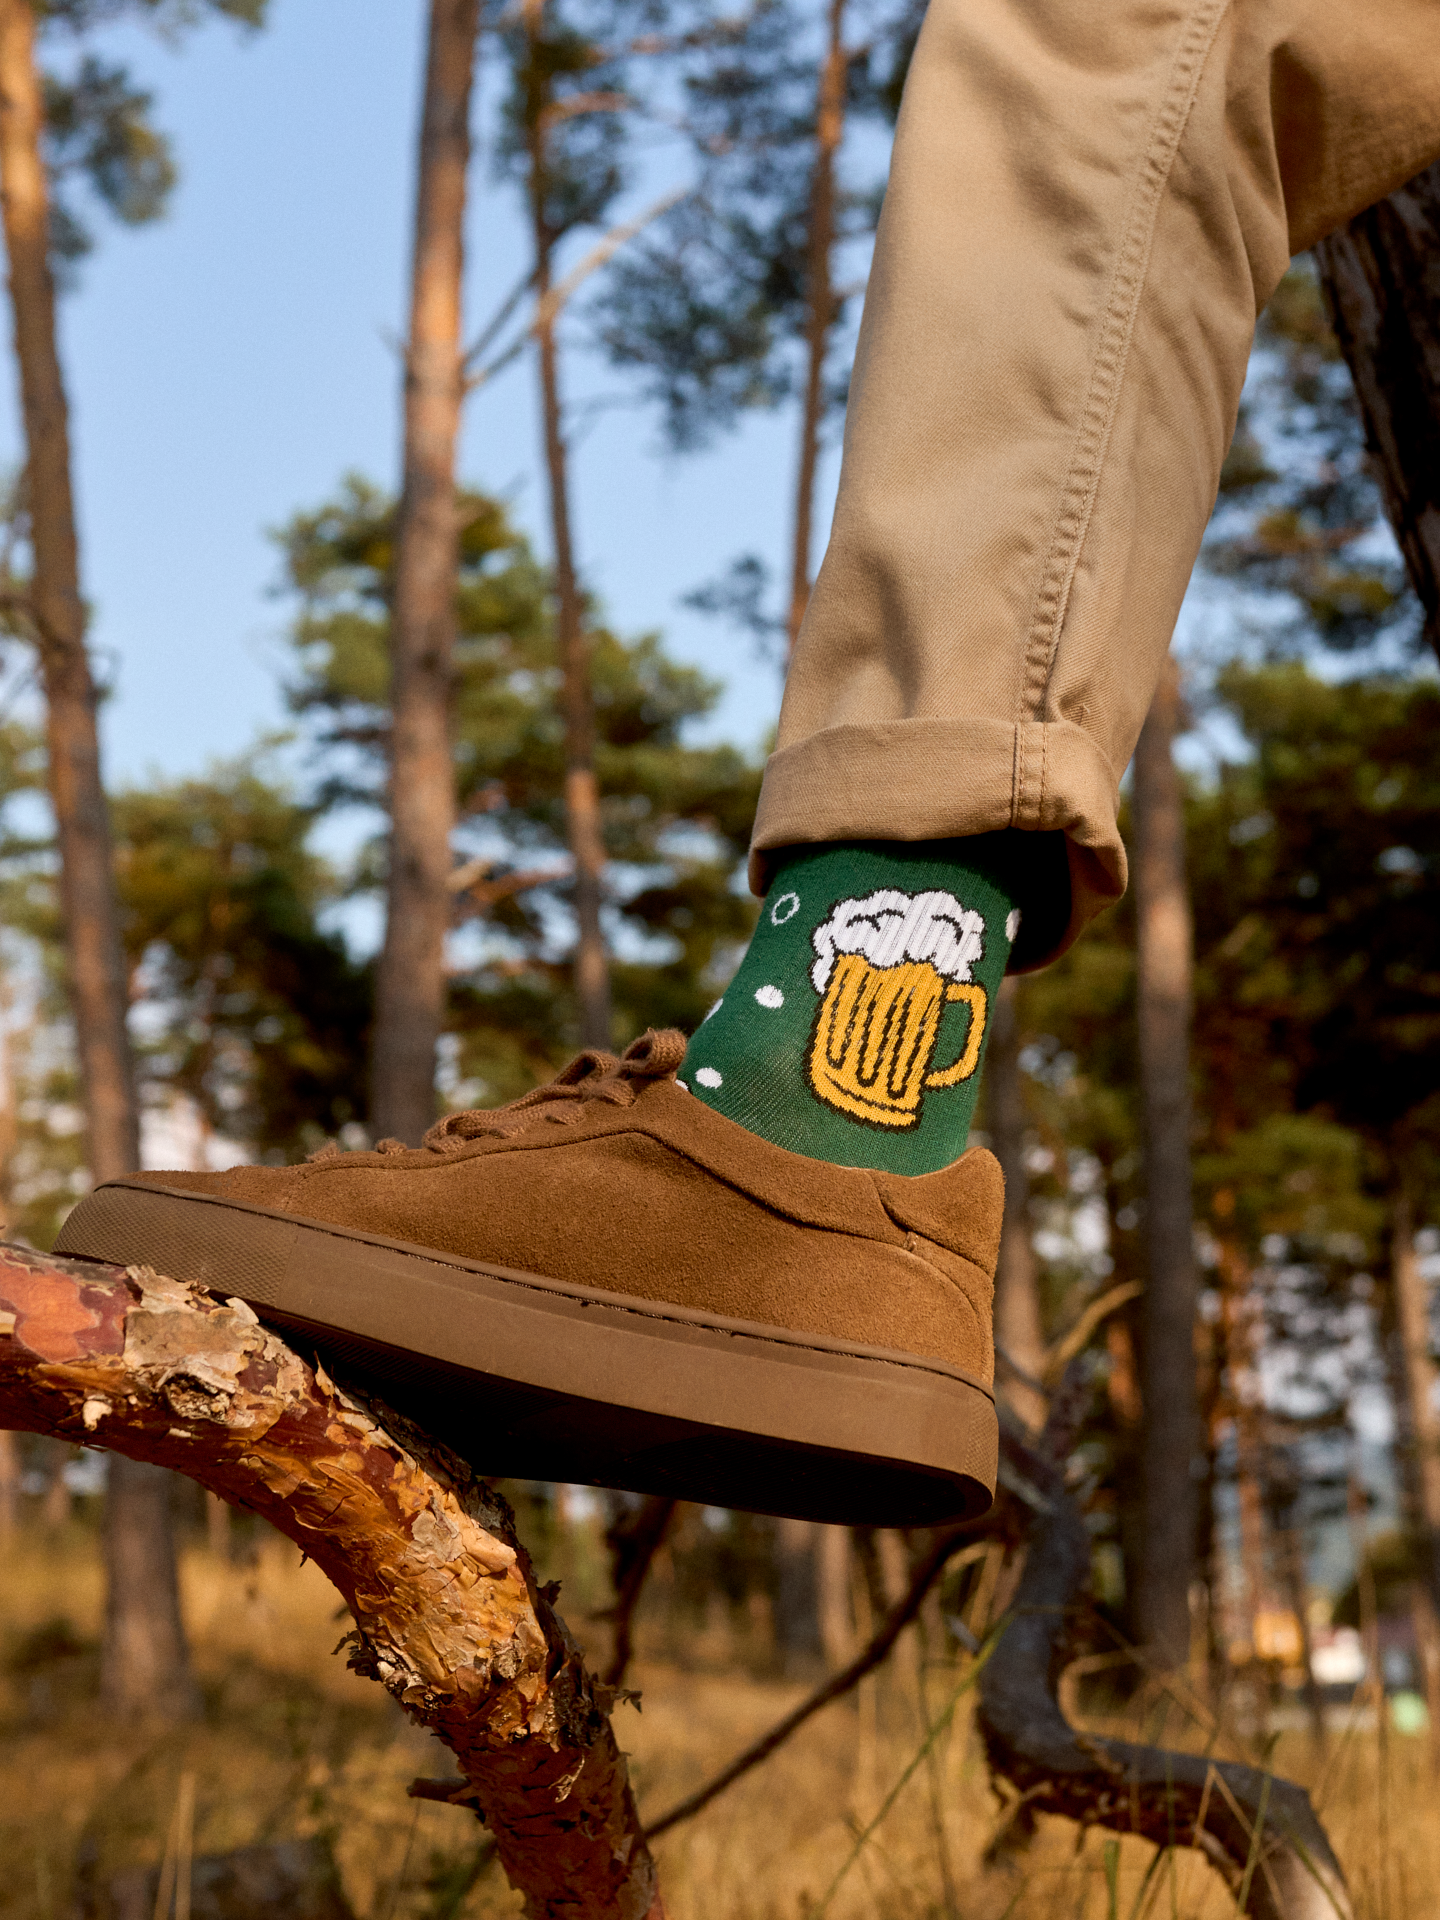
291,1745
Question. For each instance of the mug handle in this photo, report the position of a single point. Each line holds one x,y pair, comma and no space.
976,999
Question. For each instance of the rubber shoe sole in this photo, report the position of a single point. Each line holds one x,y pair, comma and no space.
532,1378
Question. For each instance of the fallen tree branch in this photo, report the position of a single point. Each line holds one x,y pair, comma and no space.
1259,1832
447,1612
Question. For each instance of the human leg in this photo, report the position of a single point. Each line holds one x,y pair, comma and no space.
1089,203
612,1281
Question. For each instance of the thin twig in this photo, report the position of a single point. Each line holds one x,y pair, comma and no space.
839,1684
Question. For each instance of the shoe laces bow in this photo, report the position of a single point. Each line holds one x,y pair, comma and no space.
591,1075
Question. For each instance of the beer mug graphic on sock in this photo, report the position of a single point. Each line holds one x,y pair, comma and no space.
885,968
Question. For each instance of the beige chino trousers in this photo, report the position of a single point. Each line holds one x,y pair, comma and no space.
1089,203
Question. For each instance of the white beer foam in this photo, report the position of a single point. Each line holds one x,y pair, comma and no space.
888,927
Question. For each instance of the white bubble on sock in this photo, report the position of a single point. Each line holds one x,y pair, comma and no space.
770,997
785,908
1012,924
708,1077
714,1010
682,1086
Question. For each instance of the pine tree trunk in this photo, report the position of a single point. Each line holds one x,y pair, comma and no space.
797,1596
82,823
144,1667
820,306
582,792
1381,276
1018,1329
1415,1380
1238,1324
90,910
1171,1425
833,1580
410,987
9,1485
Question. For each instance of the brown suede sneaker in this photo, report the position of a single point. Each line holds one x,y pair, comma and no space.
607,1282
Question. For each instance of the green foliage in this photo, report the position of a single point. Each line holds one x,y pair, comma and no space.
710,306
99,138
98,132
1338,820
676,817
167,16
250,1008
564,111
1299,510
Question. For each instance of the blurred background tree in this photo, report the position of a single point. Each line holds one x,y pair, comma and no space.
675,817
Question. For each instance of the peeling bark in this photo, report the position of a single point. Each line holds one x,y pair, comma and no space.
447,1613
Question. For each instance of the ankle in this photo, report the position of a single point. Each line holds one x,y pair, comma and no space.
854,1029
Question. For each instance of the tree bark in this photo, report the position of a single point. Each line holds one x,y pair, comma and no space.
9,1486
447,1612
82,823
1171,1422
1018,1330
410,985
89,906
1381,277
1415,1379
1238,1317
833,1583
144,1665
797,1596
819,306
634,1536
582,792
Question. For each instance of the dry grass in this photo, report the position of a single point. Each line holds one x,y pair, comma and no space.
292,1744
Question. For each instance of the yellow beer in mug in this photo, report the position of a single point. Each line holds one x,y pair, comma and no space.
875,1034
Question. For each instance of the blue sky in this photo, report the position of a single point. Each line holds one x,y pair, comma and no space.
227,365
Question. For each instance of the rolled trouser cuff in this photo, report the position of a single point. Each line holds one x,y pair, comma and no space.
931,779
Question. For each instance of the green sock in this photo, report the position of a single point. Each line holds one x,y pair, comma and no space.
855,1028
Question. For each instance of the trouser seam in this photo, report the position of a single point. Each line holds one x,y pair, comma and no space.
1108,367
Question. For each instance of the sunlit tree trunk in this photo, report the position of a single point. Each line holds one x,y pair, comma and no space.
582,792
1018,1329
834,1569
820,305
144,1665
9,1486
87,885
1171,1428
410,987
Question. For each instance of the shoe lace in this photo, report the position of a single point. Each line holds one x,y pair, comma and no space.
592,1075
